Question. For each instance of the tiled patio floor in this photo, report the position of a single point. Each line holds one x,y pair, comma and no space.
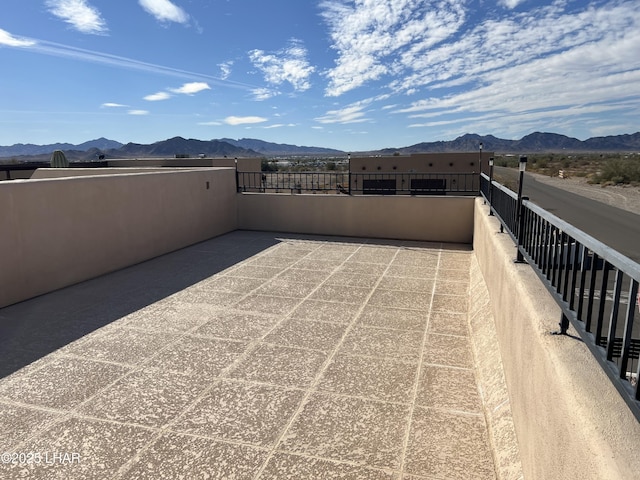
252,355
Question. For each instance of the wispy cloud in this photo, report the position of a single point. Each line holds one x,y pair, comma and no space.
138,112
59,50
353,113
287,65
233,120
157,97
261,94
79,14
12,41
191,88
113,105
225,69
164,11
369,36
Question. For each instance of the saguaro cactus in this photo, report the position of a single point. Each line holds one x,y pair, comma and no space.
58,160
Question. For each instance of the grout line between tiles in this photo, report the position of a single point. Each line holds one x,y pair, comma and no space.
312,388
416,385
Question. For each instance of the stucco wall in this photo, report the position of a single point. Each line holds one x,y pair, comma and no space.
440,219
57,232
570,421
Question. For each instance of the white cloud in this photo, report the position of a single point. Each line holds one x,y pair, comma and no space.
511,3
261,94
164,11
82,16
210,124
191,88
156,97
11,41
225,69
287,65
233,120
138,112
113,105
370,35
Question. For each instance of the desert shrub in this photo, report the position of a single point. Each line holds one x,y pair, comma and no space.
619,171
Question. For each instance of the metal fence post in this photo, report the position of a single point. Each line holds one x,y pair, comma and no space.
519,213
491,160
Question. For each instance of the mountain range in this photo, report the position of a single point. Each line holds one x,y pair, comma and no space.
248,147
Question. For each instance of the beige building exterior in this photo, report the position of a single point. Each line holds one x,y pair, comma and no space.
418,174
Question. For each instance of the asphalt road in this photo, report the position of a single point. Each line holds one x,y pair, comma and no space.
617,228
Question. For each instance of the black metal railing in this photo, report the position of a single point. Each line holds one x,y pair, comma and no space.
359,183
595,286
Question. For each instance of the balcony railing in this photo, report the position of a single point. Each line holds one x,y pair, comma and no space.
595,286
359,183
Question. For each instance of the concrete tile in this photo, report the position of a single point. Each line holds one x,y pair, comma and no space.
175,456
286,288
449,389
341,294
267,304
349,429
461,276
422,285
445,287
237,325
295,467
304,276
295,332
61,382
448,350
352,279
411,271
395,318
101,448
450,303
374,269
455,261
174,316
292,250
268,260
18,422
242,412
278,365
328,253
315,264
326,311
230,283
205,295
420,257
379,255
378,342
446,445
376,378
449,323
201,358
255,271
401,299
120,345
148,397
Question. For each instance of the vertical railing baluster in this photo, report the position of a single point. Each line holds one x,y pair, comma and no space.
603,298
613,319
628,327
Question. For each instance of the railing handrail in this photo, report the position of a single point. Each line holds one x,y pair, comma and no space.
614,257
575,268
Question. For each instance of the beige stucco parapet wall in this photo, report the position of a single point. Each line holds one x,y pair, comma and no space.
491,380
570,421
431,218
57,232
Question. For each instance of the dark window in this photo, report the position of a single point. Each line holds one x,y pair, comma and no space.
428,186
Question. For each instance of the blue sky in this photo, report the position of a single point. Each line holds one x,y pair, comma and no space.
352,75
